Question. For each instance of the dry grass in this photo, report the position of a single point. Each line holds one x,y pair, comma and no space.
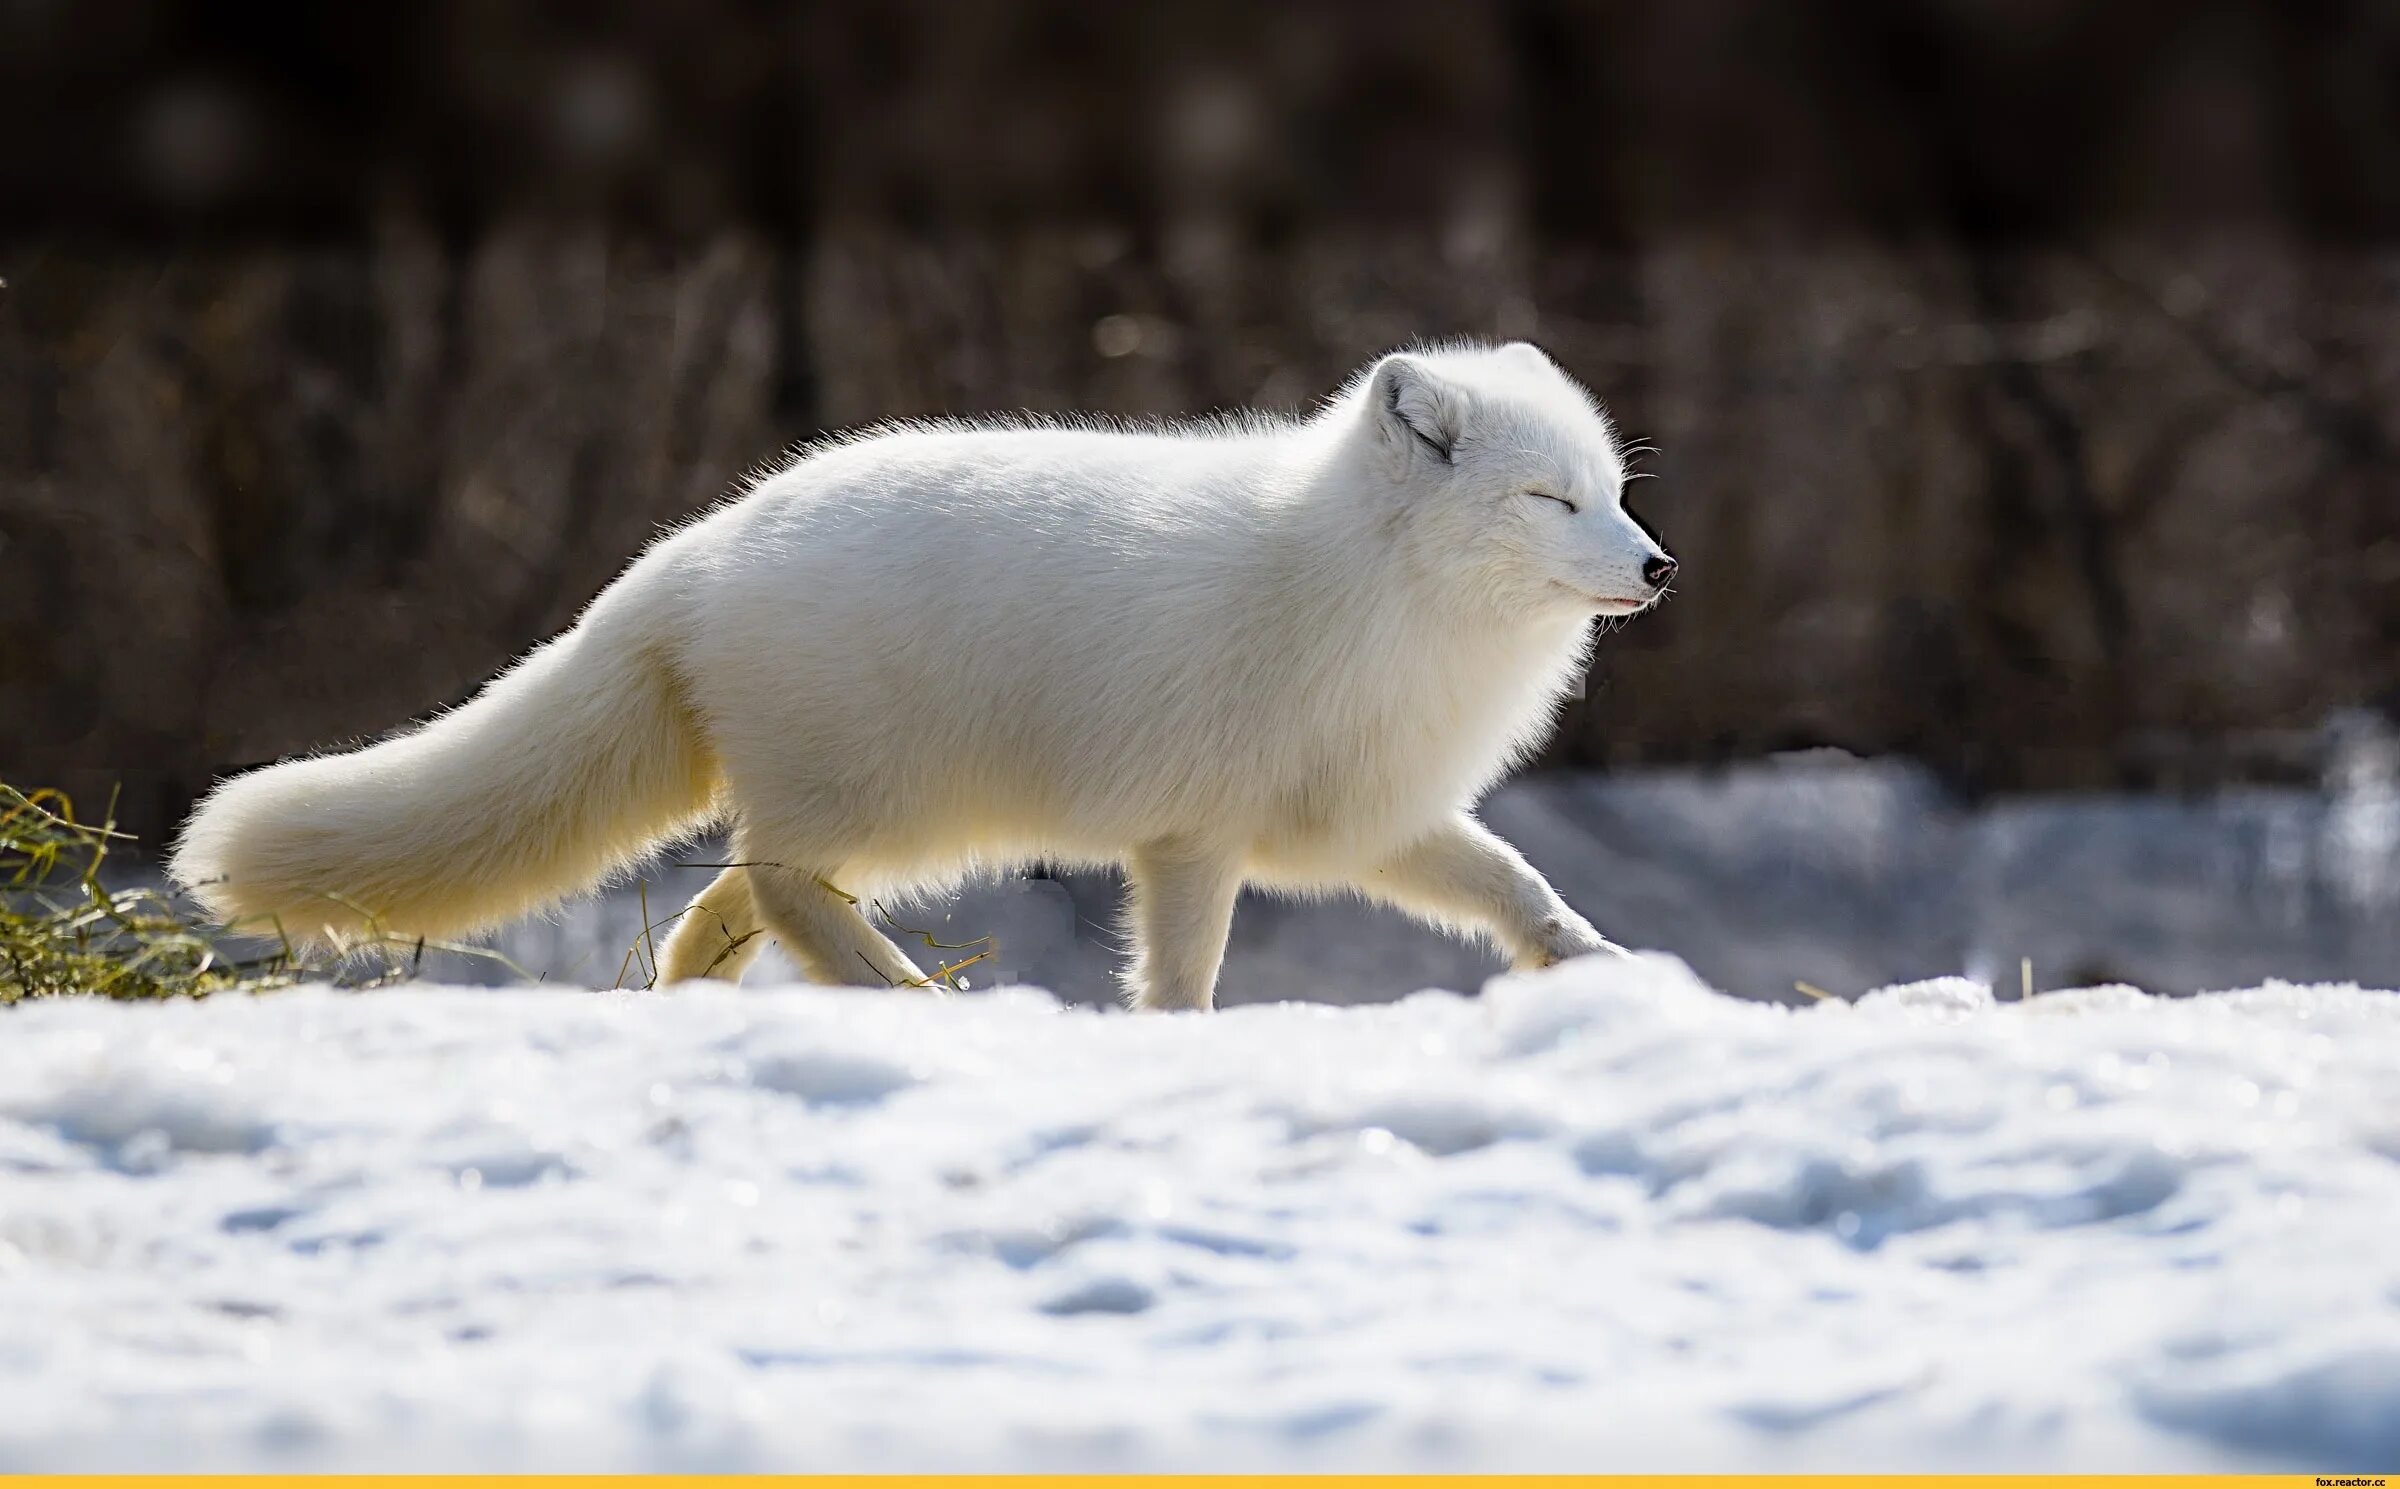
65,931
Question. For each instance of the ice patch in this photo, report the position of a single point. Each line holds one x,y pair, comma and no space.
2336,1406
142,1106
1100,1295
826,1077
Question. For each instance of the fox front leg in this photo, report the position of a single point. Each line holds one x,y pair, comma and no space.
1463,876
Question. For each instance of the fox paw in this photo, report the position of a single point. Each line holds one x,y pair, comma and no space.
1565,938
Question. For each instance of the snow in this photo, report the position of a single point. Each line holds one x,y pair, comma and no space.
1598,1218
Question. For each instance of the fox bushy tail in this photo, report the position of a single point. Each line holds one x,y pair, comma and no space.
561,770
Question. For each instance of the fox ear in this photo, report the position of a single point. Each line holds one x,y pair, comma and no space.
1416,411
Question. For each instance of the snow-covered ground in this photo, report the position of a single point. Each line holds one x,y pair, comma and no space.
1597,1218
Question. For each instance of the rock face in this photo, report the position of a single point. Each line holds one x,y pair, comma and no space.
2025,384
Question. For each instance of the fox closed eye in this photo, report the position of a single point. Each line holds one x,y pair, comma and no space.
1562,501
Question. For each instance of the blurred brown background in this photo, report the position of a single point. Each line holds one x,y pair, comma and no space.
2026,374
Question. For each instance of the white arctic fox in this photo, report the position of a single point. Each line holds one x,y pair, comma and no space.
1282,652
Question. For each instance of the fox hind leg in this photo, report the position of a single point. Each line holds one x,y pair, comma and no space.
718,934
822,929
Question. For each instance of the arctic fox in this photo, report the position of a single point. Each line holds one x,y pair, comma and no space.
1285,652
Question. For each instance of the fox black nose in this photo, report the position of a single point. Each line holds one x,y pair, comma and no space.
1658,571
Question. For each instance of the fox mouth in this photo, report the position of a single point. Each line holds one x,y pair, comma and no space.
1610,604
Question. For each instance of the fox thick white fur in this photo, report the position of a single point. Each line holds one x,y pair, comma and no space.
1281,652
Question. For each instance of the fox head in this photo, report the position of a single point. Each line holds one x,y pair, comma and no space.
1510,481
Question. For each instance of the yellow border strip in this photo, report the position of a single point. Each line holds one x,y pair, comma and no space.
1234,1481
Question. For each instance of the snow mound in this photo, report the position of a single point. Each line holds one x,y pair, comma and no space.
1597,1218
